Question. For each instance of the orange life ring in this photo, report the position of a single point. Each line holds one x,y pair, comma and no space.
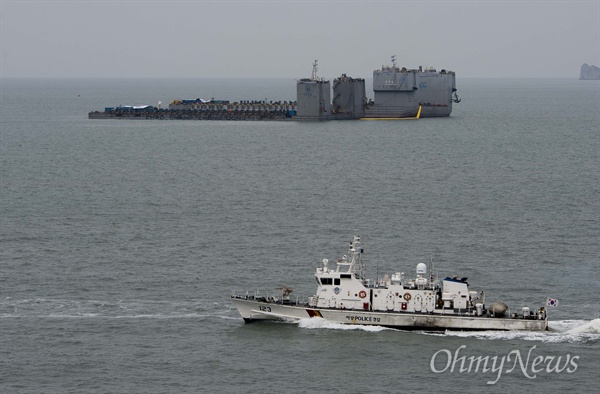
362,294
407,296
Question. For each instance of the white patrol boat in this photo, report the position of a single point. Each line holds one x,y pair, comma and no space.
345,295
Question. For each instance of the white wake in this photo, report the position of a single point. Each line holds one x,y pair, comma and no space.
315,323
560,331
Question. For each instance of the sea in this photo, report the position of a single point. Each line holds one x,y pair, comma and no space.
121,241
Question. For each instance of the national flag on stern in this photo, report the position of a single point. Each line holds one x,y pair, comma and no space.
551,302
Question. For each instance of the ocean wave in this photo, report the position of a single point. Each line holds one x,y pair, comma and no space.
111,309
576,326
110,317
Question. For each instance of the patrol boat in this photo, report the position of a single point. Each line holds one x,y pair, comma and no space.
345,295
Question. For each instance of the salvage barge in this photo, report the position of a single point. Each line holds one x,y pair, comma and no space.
203,110
399,93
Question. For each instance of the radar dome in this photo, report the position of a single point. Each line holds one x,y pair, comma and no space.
421,269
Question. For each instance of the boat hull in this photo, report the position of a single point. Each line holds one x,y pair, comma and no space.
252,310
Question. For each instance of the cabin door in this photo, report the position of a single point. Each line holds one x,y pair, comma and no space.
418,303
390,302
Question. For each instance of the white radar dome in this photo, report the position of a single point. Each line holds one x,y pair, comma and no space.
421,269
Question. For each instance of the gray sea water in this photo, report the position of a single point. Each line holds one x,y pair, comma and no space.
121,241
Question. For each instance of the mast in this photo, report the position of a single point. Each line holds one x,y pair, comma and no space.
353,262
357,265
314,71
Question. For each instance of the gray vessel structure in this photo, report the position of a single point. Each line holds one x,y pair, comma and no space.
399,93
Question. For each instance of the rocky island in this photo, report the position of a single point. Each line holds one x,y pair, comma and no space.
589,72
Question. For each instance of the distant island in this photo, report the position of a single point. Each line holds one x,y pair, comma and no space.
589,72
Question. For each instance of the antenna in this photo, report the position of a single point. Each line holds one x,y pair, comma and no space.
314,71
394,60
377,270
432,274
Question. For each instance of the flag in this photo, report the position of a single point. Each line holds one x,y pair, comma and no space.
551,302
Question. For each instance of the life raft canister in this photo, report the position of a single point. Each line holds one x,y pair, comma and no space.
362,294
407,296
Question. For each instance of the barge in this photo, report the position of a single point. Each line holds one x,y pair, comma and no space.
399,93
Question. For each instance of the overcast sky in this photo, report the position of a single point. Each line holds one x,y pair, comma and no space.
195,38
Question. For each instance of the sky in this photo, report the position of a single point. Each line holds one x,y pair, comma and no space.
256,39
